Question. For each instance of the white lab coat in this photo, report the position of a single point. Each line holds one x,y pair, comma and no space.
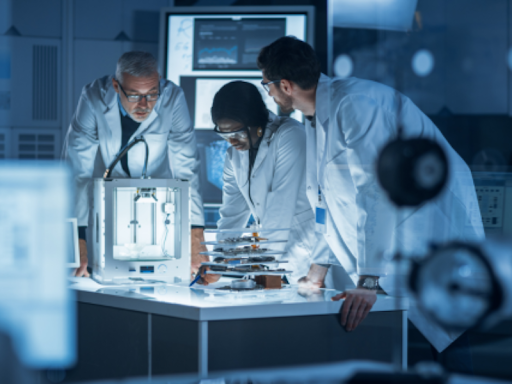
168,131
277,186
354,120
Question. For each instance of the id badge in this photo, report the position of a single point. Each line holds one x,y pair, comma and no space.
320,214
320,226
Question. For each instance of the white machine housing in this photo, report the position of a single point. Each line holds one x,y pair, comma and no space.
144,238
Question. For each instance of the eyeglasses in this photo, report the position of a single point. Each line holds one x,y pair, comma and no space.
237,135
138,98
266,85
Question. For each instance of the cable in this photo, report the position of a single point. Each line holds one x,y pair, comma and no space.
164,250
123,152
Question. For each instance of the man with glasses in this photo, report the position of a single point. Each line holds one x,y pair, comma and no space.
111,112
348,123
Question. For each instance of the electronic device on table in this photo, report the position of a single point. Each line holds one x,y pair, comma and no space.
247,254
141,228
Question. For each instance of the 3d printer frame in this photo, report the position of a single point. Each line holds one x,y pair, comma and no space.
107,269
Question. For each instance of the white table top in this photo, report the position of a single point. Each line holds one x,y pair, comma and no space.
207,303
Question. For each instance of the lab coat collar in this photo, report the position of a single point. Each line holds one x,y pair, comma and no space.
113,120
323,103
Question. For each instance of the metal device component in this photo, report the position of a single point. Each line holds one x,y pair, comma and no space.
243,256
146,195
141,230
460,285
243,284
412,171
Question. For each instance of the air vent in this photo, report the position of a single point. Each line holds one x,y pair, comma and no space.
44,82
5,143
3,146
41,146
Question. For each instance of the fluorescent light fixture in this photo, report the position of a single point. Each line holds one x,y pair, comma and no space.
392,15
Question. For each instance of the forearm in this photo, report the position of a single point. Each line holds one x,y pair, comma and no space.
316,274
197,237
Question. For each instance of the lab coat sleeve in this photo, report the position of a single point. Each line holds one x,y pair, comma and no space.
321,251
366,127
183,155
234,212
81,148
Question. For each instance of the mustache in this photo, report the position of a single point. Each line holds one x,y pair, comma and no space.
142,110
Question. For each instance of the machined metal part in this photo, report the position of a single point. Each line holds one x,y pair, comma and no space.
249,273
246,251
247,260
246,230
243,284
240,241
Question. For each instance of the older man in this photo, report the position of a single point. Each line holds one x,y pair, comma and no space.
111,112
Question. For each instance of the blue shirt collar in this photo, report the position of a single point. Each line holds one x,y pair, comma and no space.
121,108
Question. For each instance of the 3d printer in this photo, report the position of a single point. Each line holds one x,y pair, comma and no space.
141,228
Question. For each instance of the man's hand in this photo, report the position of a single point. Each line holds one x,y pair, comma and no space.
197,236
82,270
356,307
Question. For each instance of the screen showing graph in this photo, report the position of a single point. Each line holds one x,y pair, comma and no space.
223,45
233,43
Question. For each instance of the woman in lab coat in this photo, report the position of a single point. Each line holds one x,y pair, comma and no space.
264,172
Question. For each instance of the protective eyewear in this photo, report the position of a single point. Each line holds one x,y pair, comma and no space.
266,85
137,98
236,135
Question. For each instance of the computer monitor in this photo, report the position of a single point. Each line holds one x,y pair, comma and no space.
203,48
72,245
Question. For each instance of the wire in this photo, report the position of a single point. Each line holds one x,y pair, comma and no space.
123,152
164,250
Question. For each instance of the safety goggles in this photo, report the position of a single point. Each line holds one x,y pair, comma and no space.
236,135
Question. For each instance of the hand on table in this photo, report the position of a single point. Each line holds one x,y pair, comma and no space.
358,303
82,270
197,237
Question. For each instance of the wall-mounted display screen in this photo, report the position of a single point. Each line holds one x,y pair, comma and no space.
233,43
206,50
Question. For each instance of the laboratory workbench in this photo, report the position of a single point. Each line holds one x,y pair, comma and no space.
160,329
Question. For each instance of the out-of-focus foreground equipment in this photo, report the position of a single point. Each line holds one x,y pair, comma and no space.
412,171
37,314
466,285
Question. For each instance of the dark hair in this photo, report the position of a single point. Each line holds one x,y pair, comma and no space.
291,59
242,102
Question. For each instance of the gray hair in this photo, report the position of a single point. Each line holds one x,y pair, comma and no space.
136,63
